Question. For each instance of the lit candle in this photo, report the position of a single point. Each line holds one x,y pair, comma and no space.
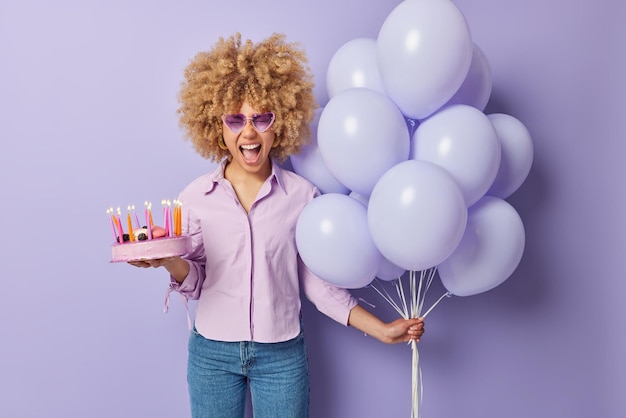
179,217
148,218
137,224
119,225
169,219
131,235
111,218
149,206
165,217
174,218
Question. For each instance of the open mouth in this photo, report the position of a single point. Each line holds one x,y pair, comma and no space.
250,152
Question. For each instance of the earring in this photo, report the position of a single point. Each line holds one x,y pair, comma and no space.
221,143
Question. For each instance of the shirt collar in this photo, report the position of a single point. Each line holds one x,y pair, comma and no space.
277,173
218,175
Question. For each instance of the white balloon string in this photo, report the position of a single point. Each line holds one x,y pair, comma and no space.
389,300
420,295
421,386
431,275
428,276
367,303
416,389
403,298
423,289
447,294
383,288
414,312
409,304
393,301
415,291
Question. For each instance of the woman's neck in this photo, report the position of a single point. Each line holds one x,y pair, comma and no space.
236,174
246,184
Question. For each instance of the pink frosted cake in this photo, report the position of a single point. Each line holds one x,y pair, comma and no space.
135,242
151,249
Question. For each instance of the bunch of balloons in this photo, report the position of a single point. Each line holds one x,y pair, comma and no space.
413,174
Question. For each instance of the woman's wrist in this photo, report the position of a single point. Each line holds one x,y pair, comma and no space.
178,268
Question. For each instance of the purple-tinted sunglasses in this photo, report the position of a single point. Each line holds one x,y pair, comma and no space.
236,123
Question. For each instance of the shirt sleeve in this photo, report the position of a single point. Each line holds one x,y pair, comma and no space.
191,286
332,301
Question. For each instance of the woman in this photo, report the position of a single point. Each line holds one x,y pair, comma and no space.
249,107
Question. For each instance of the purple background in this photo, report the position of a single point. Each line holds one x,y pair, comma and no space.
88,99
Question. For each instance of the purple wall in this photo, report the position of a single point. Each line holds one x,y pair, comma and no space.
88,99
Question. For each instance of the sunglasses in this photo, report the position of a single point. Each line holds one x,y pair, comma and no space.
236,123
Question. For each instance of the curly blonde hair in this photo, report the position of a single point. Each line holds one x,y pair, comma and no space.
272,75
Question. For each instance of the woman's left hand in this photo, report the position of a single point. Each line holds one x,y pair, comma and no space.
398,331
403,330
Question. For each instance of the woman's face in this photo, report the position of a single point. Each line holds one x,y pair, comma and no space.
250,148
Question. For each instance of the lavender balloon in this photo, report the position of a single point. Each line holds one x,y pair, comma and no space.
388,271
361,134
490,251
416,215
354,65
461,139
424,53
334,242
476,88
309,164
517,155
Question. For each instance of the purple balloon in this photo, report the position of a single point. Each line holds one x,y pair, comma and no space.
424,53
490,251
416,215
517,155
354,65
461,139
309,164
388,271
476,89
334,242
362,134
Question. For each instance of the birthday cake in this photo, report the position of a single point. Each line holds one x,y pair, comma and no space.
151,249
148,242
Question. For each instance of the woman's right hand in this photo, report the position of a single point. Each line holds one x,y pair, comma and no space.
158,262
176,266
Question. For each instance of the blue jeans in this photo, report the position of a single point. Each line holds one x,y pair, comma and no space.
218,374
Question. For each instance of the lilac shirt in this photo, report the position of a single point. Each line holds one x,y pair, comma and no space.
244,267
